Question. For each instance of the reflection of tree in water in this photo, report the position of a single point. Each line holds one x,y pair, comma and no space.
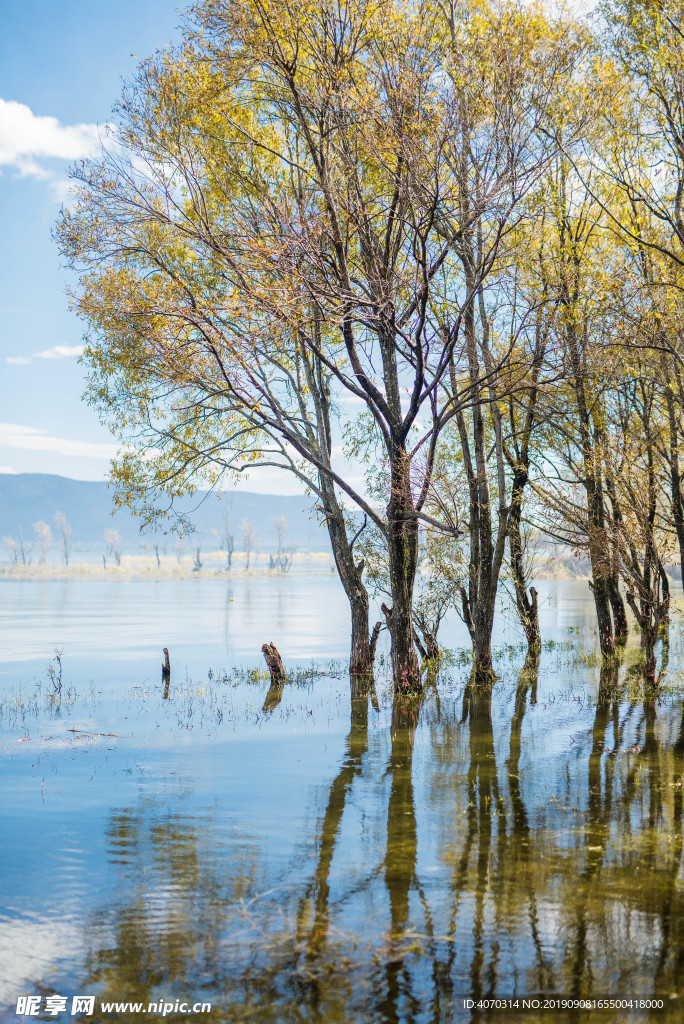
531,894
520,883
623,905
318,890
399,1001
394,997
495,868
520,855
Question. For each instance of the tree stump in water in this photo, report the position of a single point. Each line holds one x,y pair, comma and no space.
274,662
166,664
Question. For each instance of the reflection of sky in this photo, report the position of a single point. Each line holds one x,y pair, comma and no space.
31,948
218,620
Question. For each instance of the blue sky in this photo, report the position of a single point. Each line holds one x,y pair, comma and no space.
61,66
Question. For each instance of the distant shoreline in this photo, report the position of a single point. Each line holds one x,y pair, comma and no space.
554,567
213,564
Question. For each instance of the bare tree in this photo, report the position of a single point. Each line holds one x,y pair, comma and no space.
44,535
114,545
65,533
248,538
282,559
12,547
228,540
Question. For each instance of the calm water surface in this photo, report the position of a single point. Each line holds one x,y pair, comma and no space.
316,855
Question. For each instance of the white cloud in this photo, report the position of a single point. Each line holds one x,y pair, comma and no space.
59,352
13,435
56,352
8,469
62,191
27,138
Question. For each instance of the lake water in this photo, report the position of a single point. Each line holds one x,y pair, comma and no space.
316,856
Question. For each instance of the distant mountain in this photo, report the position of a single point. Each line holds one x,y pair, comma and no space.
26,498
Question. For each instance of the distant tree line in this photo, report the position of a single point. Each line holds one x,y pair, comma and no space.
21,551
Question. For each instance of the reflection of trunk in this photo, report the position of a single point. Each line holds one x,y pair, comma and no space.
596,815
520,858
526,682
402,844
274,696
670,919
596,831
357,744
400,859
483,803
651,756
130,947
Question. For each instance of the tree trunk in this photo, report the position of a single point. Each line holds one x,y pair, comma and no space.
374,641
593,484
402,543
599,587
528,610
480,629
432,647
360,657
274,662
350,572
675,475
620,623
650,635
649,624
664,611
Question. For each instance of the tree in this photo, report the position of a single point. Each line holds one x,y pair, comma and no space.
281,231
12,547
44,535
228,538
248,538
114,545
282,559
65,533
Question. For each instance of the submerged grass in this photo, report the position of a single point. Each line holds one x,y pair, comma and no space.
223,697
